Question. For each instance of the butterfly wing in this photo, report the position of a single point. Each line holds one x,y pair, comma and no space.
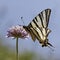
39,25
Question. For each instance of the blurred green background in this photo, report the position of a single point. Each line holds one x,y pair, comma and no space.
8,54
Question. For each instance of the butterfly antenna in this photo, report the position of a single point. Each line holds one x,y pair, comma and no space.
22,20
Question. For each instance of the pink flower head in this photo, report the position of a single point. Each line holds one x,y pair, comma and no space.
17,31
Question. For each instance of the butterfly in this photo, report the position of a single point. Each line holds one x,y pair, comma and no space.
38,28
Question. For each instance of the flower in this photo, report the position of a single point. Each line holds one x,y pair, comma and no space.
17,32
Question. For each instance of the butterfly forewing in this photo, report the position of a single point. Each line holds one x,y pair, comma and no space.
42,19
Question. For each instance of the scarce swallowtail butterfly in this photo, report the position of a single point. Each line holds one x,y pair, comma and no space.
38,28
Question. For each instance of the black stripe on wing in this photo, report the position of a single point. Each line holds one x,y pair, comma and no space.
40,16
45,15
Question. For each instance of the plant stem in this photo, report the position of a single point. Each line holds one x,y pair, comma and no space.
17,48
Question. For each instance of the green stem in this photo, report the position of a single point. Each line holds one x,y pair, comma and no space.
16,48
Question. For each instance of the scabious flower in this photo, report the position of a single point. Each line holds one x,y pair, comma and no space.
17,32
